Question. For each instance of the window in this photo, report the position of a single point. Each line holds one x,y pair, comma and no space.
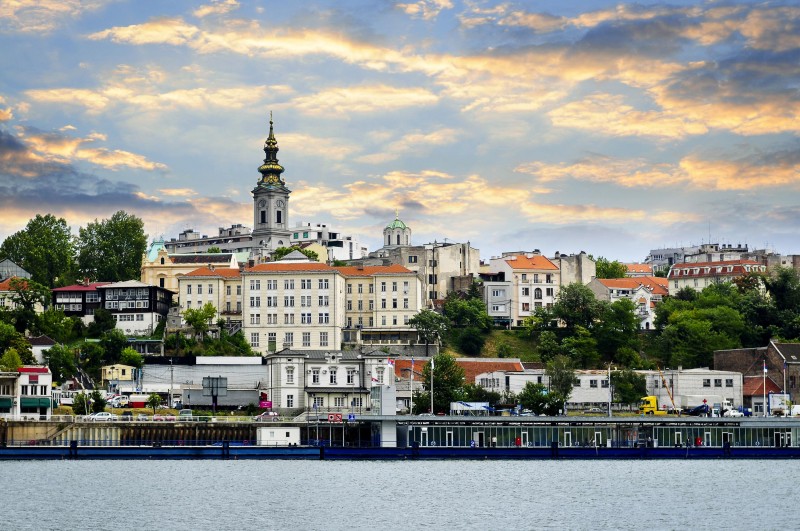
332,375
549,292
255,284
288,318
405,304
394,303
500,292
338,401
289,375
717,382
357,402
371,305
272,301
593,384
324,318
306,339
323,300
227,290
314,376
289,400
323,283
706,382
188,289
361,288
535,278
253,339
383,320
288,284
526,307
255,318
272,284
349,289
383,303
319,401
372,288
288,301
729,382
380,372
383,287
255,302
537,293
576,382
524,277
349,305
526,292
211,289
239,290
394,286
548,279
323,339
305,318
360,306
412,259
604,384
351,376
288,338
305,283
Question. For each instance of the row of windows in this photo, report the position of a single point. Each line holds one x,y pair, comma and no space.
371,305
288,339
548,278
122,317
371,321
271,301
537,293
338,401
255,284
33,390
717,382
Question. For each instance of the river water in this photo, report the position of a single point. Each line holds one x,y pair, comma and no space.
324,495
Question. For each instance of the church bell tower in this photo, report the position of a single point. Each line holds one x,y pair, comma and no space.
270,203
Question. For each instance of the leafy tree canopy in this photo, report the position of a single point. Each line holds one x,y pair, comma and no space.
280,252
429,325
561,372
130,357
61,361
11,339
200,318
448,381
111,250
214,250
103,322
536,397
45,249
609,269
576,305
628,386
466,312
10,360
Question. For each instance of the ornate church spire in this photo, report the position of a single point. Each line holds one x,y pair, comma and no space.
271,170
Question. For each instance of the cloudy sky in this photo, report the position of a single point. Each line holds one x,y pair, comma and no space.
567,125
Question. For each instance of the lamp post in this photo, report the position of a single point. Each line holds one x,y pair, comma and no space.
610,390
432,413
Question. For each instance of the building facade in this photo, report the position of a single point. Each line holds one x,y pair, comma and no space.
270,203
138,308
700,275
644,292
78,300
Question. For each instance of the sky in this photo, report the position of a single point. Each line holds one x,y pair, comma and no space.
565,126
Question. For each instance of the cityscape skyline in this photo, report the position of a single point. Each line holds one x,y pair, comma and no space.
605,127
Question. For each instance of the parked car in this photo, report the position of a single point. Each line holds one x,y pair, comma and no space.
185,414
162,416
733,413
594,411
142,417
266,416
126,415
101,416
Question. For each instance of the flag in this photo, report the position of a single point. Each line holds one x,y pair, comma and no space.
374,379
390,361
765,367
431,363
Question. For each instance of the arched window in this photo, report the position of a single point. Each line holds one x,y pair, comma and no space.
406,239
398,239
162,260
263,216
388,239
289,375
537,293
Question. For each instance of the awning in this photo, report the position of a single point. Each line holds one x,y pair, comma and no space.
34,402
6,402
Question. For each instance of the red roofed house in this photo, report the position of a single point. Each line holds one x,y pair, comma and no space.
26,393
530,281
78,300
645,292
221,286
638,270
8,292
699,275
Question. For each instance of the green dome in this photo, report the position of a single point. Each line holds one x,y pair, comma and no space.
396,224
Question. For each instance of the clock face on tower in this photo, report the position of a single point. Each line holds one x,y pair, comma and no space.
279,203
262,203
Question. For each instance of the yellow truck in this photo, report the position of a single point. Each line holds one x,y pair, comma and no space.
648,405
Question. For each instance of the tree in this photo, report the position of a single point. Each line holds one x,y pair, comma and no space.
535,397
607,269
113,342
476,393
547,346
27,297
466,312
80,404
562,376
429,325
448,381
576,305
280,252
10,361
214,250
629,386
130,357
581,347
153,401
200,318
103,322
111,250
616,327
61,361
98,401
10,338
55,324
45,249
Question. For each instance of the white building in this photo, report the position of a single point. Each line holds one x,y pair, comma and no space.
533,282
26,393
644,292
700,275
337,245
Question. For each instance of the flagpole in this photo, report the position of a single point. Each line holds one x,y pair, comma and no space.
764,387
432,386
411,407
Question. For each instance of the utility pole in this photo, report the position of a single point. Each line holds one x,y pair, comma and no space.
171,380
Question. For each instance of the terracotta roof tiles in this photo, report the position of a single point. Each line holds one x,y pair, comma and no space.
531,262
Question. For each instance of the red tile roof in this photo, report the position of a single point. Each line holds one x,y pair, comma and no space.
533,262
368,271
279,267
639,268
6,284
474,367
402,367
34,370
657,285
685,269
227,272
754,386
82,287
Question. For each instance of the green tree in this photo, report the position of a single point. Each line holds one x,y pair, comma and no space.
576,305
280,252
129,356
45,249
470,340
581,347
80,404
628,386
448,381
111,250
476,393
561,372
429,325
536,397
27,298
61,361
153,401
56,325
91,358
540,320
103,322
10,361
10,338
617,327
113,342
200,318
99,402
547,346
214,250
466,312
608,269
